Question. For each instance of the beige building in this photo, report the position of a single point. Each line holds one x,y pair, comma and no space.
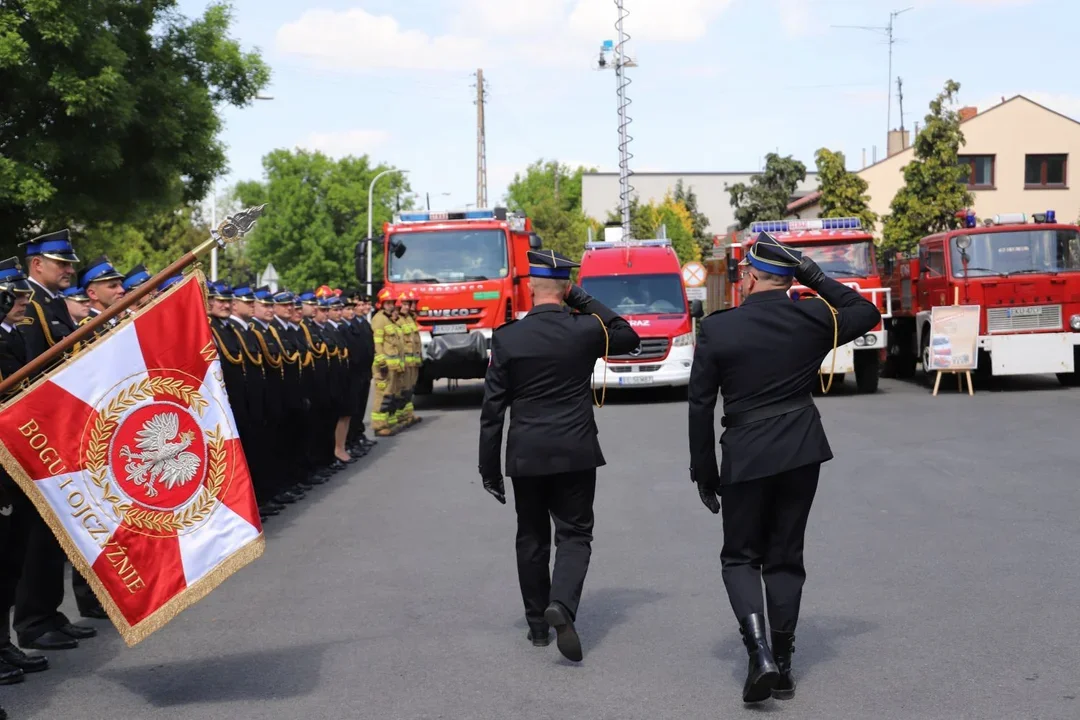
1018,154
600,192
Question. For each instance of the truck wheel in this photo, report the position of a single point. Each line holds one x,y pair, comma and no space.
866,372
924,354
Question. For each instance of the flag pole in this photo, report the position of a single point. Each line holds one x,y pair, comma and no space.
233,227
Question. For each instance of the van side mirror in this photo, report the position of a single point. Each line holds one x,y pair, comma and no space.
361,260
732,270
889,262
535,243
697,310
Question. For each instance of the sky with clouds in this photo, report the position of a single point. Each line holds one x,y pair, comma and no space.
719,83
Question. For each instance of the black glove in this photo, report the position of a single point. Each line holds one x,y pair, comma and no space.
809,274
494,485
578,298
708,491
7,301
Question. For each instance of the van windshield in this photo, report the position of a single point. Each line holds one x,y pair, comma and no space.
638,294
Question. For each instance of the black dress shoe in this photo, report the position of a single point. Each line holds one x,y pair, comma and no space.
11,655
337,465
303,486
9,674
285,497
267,511
52,640
539,636
566,637
78,632
3,714
761,672
94,613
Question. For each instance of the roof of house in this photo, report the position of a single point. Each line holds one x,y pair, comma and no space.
805,201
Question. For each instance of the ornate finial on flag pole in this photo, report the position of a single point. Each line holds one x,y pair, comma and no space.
233,228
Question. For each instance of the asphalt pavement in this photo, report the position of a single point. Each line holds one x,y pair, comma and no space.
942,556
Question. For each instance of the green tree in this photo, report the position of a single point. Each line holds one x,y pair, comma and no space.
155,241
110,109
698,220
768,194
843,193
671,214
934,189
317,214
549,193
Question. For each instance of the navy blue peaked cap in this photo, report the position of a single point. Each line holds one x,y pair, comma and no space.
768,254
550,264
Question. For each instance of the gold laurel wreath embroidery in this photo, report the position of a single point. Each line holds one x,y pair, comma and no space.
107,420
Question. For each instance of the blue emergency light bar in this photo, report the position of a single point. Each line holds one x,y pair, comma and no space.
605,244
848,223
437,215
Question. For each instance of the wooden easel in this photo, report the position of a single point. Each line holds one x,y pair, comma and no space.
960,374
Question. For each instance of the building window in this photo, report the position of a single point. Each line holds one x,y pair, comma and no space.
1045,171
980,170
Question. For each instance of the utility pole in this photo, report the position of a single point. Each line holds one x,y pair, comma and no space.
888,31
621,62
481,142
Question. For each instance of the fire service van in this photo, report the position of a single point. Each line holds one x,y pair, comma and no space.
641,280
1025,276
470,269
844,251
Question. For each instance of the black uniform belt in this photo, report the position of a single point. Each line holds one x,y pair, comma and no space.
767,411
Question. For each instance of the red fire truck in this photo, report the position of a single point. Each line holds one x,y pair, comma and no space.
845,252
642,281
470,269
1026,278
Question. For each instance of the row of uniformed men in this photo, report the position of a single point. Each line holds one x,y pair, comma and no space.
50,303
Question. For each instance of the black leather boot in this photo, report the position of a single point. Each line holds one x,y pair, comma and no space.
762,673
783,647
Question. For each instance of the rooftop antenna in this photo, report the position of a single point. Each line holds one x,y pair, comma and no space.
888,30
619,65
900,100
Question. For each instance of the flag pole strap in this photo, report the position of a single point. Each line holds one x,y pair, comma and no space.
233,228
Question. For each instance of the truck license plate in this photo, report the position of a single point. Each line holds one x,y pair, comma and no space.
450,329
636,380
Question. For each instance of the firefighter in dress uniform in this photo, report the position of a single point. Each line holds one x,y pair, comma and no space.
17,513
765,356
541,369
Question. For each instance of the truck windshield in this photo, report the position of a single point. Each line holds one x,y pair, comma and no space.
1022,251
851,259
444,256
638,294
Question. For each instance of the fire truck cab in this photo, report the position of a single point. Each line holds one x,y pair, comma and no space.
1024,275
642,281
470,269
845,252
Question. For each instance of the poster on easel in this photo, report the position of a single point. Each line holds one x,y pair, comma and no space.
954,338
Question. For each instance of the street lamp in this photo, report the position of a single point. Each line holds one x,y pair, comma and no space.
370,241
213,211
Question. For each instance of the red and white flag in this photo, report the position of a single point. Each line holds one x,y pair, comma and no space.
130,453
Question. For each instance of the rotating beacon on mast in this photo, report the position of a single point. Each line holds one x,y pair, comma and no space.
619,63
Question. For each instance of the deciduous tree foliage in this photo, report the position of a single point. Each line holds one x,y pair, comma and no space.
317,214
768,194
647,219
934,189
698,220
107,109
549,193
843,193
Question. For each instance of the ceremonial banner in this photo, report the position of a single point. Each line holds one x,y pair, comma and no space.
129,451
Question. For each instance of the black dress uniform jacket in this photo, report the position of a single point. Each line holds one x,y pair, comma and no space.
765,357
541,368
50,322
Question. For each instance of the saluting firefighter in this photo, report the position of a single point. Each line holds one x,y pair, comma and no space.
765,356
541,368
